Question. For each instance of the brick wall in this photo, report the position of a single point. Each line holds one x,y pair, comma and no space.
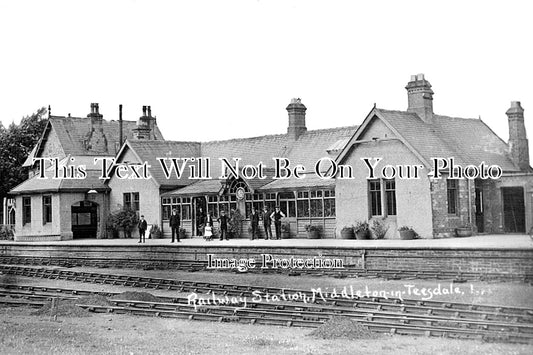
515,262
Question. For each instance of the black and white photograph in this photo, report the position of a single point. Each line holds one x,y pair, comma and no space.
266,177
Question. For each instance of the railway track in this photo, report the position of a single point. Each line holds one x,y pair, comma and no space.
192,266
515,331
316,296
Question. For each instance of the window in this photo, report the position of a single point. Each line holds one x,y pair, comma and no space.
131,201
181,205
270,201
287,203
382,195
303,204
452,188
329,203
390,197
127,201
317,204
374,191
212,206
26,210
47,209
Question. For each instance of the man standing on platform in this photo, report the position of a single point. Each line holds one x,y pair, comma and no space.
277,215
223,225
174,222
142,229
266,223
254,219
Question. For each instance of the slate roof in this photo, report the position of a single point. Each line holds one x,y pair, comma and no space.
306,150
49,184
309,181
72,131
468,140
150,150
199,187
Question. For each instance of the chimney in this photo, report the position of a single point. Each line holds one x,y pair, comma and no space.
518,144
95,139
144,127
95,112
420,97
296,118
120,128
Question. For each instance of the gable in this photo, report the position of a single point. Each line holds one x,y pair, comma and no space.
51,147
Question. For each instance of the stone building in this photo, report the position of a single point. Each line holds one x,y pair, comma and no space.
436,206
54,205
431,201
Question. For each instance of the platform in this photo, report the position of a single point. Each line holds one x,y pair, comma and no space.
501,254
493,241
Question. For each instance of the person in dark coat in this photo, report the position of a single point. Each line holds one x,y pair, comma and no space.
200,220
143,226
174,223
223,225
277,215
254,219
267,223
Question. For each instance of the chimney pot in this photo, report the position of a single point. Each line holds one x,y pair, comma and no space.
149,109
420,97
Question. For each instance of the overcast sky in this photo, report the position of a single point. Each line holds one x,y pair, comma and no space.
215,70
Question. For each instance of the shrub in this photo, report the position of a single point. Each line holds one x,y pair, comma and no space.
379,228
405,228
125,220
285,227
313,228
156,232
235,224
361,226
7,232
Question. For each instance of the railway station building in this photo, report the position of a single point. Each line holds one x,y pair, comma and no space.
61,209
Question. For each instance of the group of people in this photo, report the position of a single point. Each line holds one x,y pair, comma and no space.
268,218
204,224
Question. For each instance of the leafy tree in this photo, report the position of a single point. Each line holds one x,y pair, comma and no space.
16,143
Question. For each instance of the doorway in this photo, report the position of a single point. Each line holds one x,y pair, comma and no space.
84,219
514,211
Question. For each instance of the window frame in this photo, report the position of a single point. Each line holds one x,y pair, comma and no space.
47,209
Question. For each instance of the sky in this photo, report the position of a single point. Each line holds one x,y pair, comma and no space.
214,70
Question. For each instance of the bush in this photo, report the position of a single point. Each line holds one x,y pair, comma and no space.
361,227
379,228
125,220
313,228
405,228
235,224
7,232
156,232
285,227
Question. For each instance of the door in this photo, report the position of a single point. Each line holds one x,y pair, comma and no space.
480,220
84,219
199,212
514,211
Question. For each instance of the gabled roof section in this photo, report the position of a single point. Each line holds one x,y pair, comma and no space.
49,184
306,150
468,141
150,150
73,131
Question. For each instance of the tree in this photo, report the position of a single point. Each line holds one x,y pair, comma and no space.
16,143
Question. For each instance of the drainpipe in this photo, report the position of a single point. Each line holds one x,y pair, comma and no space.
469,182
